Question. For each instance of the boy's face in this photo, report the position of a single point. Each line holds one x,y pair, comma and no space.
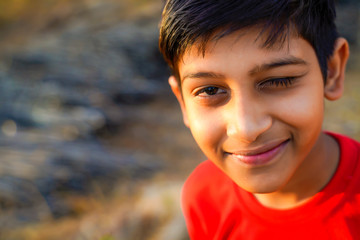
255,112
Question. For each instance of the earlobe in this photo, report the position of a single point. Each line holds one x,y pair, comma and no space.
176,89
334,86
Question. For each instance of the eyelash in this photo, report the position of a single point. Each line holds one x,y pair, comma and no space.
283,82
209,88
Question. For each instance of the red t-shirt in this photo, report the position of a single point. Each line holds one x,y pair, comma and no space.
216,208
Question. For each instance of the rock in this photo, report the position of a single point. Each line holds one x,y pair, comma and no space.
29,61
67,79
61,94
19,114
133,97
31,180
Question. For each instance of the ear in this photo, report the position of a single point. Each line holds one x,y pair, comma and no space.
176,89
334,86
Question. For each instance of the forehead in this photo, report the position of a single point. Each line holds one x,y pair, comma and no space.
243,49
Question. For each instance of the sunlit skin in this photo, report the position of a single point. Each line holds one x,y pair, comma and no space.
257,113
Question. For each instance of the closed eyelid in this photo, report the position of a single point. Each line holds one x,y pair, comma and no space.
277,82
292,76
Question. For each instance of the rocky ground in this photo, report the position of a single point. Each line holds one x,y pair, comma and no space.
91,141
85,117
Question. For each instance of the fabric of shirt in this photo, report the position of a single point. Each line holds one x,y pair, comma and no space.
216,208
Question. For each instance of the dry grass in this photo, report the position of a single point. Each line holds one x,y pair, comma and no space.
149,215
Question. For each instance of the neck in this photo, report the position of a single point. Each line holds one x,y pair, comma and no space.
313,175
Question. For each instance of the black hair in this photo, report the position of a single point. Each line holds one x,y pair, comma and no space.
186,22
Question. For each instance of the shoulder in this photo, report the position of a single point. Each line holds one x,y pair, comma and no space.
350,154
207,188
205,169
349,168
208,196
349,147
205,182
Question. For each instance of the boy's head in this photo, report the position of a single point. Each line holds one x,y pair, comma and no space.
189,22
249,77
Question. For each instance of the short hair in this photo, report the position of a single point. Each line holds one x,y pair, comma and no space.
188,22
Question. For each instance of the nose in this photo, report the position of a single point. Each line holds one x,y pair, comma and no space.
247,118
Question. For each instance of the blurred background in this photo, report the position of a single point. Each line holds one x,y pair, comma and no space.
92,144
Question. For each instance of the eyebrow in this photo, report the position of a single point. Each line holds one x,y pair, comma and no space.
257,69
277,63
198,75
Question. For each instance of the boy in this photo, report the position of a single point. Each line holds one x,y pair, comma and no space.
251,77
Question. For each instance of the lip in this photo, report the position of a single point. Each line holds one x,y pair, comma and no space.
260,156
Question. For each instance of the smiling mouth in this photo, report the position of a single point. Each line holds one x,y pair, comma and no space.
261,156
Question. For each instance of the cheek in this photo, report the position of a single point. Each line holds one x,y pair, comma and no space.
208,131
303,114
303,110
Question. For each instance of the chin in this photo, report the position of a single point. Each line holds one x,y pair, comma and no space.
261,188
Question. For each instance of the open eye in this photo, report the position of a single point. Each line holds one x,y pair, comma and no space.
277,82
209,91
